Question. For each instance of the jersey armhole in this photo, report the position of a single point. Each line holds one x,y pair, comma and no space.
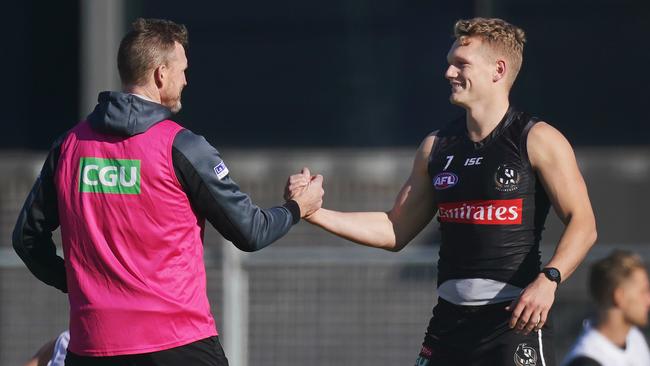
523,143
434,150
170,158
434,145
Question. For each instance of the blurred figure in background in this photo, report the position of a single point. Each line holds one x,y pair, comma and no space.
619,286
52,353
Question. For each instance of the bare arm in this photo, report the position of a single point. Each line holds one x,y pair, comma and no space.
413,209
553,159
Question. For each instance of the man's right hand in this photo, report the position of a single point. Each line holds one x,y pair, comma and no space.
306,190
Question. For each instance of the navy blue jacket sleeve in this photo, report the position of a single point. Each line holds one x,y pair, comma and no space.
216,197
32,236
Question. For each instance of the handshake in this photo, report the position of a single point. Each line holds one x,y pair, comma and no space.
307,191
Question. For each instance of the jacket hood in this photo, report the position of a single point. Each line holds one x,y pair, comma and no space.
125,114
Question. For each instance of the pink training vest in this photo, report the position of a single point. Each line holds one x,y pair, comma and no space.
133,245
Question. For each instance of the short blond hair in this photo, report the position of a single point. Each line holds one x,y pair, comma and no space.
501,36
610,272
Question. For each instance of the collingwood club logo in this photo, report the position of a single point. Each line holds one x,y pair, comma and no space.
525,355
506,179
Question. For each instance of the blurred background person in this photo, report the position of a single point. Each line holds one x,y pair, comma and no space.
619,286
52,353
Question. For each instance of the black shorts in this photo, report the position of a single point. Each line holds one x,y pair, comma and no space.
206,352
480,336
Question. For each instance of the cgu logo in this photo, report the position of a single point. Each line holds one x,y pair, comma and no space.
118,176
445,180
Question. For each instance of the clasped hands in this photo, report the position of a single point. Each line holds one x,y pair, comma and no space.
306,190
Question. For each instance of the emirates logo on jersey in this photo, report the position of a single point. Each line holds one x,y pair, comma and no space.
491,212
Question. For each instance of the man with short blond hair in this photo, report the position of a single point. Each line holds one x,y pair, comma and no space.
491,177
500,38
619,285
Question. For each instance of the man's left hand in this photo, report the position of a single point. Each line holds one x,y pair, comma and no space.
530,310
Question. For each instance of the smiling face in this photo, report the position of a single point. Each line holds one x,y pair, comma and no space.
471,72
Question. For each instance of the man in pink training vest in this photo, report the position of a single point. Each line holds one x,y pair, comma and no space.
131,190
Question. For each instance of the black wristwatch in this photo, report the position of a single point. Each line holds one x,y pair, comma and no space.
552,274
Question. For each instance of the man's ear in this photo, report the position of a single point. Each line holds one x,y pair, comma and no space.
499,71
160,75
618,296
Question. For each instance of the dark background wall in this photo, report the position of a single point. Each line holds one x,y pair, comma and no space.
343,73
39,59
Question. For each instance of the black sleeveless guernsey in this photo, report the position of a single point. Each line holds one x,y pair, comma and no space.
491,204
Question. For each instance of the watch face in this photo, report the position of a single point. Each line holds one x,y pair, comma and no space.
552,274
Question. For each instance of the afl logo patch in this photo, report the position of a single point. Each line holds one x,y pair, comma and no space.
506,179
445,180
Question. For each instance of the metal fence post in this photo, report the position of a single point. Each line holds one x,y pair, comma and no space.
235,305
102,27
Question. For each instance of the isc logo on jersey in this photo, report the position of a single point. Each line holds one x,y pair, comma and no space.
445,180
491,212
118,176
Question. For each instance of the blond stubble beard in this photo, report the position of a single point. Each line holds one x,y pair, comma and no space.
176,107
